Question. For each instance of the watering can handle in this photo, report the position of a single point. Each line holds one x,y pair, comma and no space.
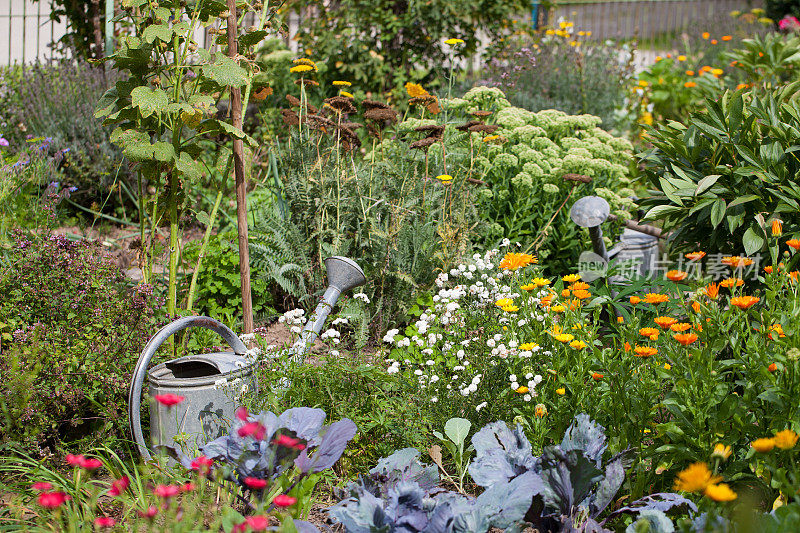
139,372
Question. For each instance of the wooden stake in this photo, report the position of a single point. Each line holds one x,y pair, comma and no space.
241,186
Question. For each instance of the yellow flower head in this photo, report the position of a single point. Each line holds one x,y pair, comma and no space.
578,345
342,83
564,337
510,308
504,302
763,445
561,392
528,346
415,90
695,478
490,138
528,286
347,94
541,282
558,308
305,61
720,493
514,261
445,178
453,42
540,410
301,68
785,439
681,58
571,278
721,451
522,390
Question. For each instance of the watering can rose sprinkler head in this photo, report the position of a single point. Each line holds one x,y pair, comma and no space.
343,274
590,212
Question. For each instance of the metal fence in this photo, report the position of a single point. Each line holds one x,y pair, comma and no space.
26,31
645,20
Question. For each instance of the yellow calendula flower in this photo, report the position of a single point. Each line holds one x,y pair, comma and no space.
540,411
717,71
720,493
695,478
510,308
300,68
643,83
522,390
571,278
513,261
504,302
528,346
721,451
561,392
667,366
564,337
550,32
453,42
681,58
339,83
528,286
415,90
763,445
558,308
540,282
578,345
785,439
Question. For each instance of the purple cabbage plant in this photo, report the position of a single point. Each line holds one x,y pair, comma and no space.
572,488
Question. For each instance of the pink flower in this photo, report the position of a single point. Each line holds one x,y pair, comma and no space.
242,414
151,512
166,491
254,523
187,487
789,23
51,500
202,464
90,464
118,486
284,500
288,442
255,483
253,429
75,460
104,521
42,486
169,399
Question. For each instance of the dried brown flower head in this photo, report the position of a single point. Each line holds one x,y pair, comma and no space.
306,81
480,113
378,114
484,128
293,100
577,177
468,125
423,144
374,104
341,104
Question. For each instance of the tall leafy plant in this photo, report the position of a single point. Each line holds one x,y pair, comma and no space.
168,101
717,179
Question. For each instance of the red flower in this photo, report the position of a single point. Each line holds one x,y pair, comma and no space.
242,414
288,442
597,376
151,512
202,465
188,487
75,460
51,500
118,486
253,429
284,500
254,523
773,367
91,464
255,483
166,491
104,521
42,486
169,399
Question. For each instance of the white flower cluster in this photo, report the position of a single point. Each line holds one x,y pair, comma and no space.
361,296
294,319
332,334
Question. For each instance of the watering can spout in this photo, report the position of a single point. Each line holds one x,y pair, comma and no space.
343,274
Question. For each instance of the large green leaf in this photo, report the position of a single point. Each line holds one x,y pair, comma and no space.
752,240
161,32
457,430
717,212
225,71
149,100
188,167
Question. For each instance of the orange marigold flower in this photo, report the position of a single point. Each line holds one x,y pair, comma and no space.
744,302
690,73
648,332
793,275
763,445
565,293
655,298
712,290
676,275
665,321
690,84
768,269
726,37
736,261
694,256
597,376
579,286
620,320
793,243
695,478
635,300
720,493
696,307
514,261
785,439
773,367
680,327
685,338
714,41
644,351
627,346
582,294
777,227
731,282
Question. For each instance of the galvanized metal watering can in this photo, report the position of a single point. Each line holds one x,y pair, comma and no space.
212,384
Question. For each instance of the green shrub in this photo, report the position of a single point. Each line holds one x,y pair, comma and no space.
73,329
717,179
